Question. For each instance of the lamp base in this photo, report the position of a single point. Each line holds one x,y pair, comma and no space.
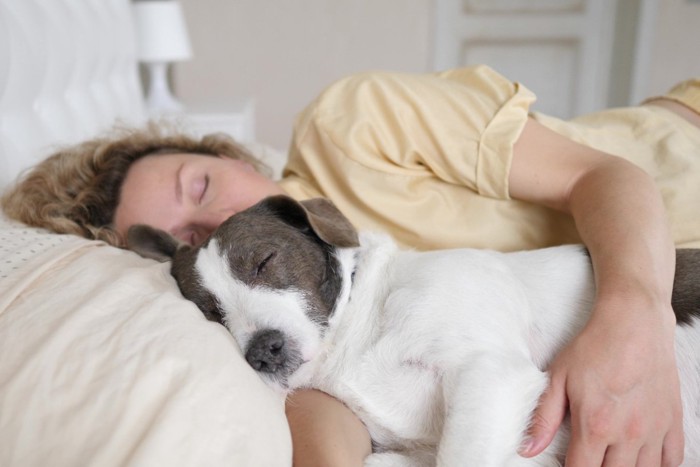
159,99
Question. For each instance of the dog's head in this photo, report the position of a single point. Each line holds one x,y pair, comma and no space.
270,274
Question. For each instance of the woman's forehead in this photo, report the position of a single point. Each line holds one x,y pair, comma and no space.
148,192
166,159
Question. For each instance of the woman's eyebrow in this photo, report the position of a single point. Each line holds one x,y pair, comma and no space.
178,183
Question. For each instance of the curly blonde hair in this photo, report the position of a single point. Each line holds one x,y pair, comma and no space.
76,190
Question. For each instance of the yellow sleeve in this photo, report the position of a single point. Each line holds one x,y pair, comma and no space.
458,126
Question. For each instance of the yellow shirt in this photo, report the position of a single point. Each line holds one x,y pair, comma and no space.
426,158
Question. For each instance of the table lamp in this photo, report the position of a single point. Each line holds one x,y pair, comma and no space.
161,39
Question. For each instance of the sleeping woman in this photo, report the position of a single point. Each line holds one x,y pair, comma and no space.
454,159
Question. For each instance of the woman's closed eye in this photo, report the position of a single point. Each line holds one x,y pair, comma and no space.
199,235
193,239
199,188
190,235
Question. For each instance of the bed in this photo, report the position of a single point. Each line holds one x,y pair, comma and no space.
102,362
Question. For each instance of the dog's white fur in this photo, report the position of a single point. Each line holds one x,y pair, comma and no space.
441,354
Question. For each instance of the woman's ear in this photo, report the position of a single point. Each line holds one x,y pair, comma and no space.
153,243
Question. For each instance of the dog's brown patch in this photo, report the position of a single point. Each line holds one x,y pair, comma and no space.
276,244
686,287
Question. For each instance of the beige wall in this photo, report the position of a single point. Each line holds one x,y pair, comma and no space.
283,52
675,53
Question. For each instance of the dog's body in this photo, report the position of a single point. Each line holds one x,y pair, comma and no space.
441,354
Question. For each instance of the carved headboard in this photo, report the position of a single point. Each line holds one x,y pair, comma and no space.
67,72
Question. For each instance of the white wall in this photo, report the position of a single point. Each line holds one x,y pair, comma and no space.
283,52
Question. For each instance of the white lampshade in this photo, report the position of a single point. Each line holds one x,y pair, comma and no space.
161,31
162,38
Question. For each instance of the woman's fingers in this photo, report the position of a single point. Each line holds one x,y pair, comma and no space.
547,418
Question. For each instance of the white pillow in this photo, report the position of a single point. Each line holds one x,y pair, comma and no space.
102,362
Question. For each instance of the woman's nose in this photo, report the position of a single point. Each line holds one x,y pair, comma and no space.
209,220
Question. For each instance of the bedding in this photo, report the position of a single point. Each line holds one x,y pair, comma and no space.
102,362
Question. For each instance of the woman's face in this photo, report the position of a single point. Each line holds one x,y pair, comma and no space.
188,195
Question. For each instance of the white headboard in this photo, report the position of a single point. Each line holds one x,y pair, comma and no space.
67,72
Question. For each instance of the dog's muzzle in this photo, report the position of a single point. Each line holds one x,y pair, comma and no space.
274,356
272,353
267,351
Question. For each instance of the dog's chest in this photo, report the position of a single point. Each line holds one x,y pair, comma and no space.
408,323
417,317
399,398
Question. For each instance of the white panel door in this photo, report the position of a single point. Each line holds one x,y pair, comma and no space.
560,49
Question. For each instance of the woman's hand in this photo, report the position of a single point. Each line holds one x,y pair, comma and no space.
620,382
618,378
325,433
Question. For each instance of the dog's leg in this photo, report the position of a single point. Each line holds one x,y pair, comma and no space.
488,404
396,459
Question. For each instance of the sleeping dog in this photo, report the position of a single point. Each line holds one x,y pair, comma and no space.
442,354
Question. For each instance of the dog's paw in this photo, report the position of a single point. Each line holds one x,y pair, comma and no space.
395,459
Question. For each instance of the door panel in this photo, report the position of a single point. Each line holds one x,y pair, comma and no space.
560,49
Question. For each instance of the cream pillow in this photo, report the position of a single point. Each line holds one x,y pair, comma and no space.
102,362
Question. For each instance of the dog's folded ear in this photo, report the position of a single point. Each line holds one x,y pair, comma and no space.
320,215
153,243
329,223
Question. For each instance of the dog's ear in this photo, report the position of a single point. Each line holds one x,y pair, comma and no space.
153,243
318,214
329,223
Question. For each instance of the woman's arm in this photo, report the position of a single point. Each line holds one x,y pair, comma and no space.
325,433
618,377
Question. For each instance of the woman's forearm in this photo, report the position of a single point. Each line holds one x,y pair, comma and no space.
617,208
618,377
621,219
325,433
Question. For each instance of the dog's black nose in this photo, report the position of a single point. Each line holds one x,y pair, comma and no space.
266,351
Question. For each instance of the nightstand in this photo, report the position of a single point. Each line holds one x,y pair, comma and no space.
237,120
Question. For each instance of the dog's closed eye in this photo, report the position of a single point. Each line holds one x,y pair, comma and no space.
260,269
214,314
